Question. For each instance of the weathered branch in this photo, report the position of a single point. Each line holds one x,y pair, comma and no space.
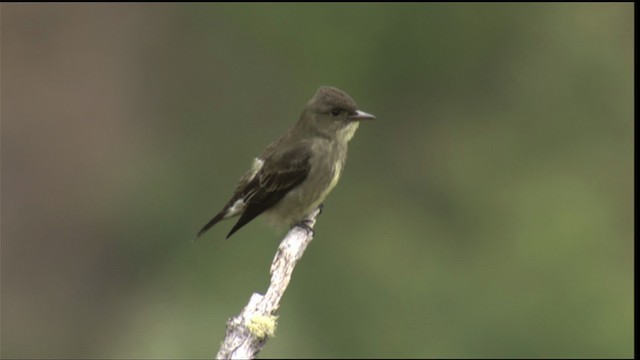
248,332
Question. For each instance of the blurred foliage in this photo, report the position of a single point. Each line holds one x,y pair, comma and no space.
488,212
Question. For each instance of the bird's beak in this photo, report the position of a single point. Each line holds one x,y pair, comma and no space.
361,115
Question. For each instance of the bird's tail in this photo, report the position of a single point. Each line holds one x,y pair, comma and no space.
212,222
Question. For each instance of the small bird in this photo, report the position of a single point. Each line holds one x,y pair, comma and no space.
295,173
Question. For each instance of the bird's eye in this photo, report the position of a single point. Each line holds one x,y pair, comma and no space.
336,112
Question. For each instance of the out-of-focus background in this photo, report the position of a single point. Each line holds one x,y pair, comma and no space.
487,212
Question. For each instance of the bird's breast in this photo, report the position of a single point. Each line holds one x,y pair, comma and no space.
337,170
326,167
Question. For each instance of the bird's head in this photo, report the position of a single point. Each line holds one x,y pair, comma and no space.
333,113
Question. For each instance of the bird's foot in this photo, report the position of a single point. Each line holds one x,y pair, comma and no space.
320,208
306,225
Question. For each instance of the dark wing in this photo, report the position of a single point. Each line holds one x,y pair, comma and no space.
238,194
280,174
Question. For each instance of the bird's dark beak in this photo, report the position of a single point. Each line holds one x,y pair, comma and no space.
361,115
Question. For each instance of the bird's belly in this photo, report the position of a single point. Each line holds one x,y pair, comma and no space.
301,201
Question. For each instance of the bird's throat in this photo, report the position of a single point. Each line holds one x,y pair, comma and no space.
345,134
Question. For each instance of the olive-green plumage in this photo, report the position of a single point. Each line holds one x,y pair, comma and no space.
295,173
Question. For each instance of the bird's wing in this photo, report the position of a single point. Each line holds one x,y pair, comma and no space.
280,174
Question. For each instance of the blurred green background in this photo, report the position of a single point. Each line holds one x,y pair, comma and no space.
488,212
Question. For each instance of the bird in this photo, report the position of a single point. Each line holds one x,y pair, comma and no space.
295,173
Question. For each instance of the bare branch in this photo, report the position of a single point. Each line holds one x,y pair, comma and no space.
248,332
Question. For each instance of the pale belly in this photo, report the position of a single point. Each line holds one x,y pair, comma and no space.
298,203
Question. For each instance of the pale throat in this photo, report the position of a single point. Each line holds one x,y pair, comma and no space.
346,133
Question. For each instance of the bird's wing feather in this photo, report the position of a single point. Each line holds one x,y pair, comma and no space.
279,175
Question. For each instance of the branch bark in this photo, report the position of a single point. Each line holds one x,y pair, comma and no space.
248,332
